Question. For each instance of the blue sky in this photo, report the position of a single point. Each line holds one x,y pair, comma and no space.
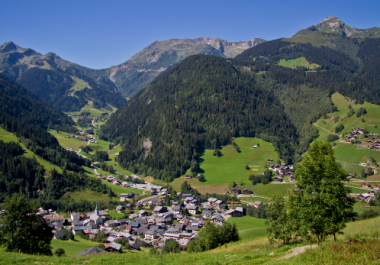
99,34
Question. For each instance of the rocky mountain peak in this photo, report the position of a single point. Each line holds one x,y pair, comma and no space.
8,47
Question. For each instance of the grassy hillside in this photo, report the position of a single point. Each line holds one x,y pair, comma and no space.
253,251
67,142
250,227
350,155
299,62
9,137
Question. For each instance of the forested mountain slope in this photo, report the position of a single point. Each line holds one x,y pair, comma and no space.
53,79
200,103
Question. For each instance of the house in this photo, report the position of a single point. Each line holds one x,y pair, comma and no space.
277,178
120,208
233,213
143,213
246,191
211,201
235,190
74,216
192,209
257,204
79,229
188,176
217,219
91,251
116,182
159,209
377,186
111,223
59,219
59,235
366,185
150,235
112,247
177,209
171,236
135,245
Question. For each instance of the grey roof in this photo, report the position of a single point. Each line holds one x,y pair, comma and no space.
81,228
91,251
257,202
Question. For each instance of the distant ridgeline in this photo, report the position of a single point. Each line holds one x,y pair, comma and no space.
200,103
52,79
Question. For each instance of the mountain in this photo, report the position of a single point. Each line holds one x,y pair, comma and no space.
334,25
21,111
138,71
201,102
62,84
69,86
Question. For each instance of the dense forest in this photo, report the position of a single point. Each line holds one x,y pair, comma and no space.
200,103
19,174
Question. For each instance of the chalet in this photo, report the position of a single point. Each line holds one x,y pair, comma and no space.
192,229
111,223
91,251
120,208
143,213
171,236
257,204
177,209
235,190
377,186
188,176
150,235
211,201
277,178
366,185
246,191
59,219
113,247
188,200
159,209
79,229
185,235
135,245
217,219
192,209
116,182
233,213
240,210
110,178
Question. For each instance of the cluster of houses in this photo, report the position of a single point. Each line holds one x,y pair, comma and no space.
280,172
150,221
371,194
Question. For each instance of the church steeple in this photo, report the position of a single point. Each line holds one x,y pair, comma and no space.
97,210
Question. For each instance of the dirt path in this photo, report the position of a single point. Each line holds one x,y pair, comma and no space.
297,251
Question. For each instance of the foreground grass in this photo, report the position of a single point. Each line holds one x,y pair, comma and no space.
258,251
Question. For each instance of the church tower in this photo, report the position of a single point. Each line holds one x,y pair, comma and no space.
96,210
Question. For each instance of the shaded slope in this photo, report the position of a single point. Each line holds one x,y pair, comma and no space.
200,103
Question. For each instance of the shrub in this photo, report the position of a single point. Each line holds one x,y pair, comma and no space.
59,252
332,138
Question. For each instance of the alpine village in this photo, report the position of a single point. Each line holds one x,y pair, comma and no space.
195,151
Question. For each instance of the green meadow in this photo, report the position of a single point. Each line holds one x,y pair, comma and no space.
231,165
67,142
73,247
250,227
299,62
79,84
88,195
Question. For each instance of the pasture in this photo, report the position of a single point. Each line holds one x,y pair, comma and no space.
299,62
87,195
67,142
73,247
231,165
249,227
